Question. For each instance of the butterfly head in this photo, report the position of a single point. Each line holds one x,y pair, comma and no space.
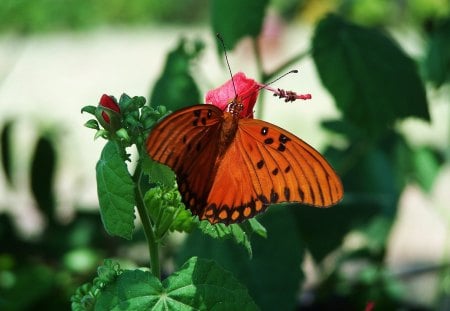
235,107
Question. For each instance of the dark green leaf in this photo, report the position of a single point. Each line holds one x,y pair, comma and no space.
343,128
373,82
42,176
437,61
158,173
375,176
198,285
5,146
115,191
233,231
273,274
176,88
323,230
234,19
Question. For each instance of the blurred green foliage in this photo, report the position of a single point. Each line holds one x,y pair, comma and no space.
23,16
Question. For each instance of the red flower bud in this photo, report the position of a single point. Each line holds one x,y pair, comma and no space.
109,103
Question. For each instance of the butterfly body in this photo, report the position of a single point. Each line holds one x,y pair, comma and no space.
230,121
230,168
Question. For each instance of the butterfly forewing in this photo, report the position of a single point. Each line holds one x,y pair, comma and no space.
186,141
286,168
266,165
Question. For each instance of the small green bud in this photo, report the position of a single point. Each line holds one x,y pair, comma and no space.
92,124
101,133
123,134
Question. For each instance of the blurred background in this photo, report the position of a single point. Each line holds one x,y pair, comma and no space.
58,56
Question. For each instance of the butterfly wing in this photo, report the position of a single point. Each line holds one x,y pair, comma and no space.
264,165
187,142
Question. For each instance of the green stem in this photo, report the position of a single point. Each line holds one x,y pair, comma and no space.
153,246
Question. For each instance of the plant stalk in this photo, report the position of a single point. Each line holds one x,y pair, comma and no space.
152,243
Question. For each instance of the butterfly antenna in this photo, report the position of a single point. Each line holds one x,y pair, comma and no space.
262,86
228,64
280,77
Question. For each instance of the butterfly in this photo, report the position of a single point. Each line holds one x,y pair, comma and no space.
231,167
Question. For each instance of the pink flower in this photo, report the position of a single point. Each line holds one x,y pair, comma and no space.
246,93
109,103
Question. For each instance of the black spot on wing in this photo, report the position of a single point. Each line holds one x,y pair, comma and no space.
287,193
260,164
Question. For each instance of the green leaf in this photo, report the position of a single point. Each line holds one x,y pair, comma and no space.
257,227
198,285
176,88
235,19
437,61
92,124
221,231
164,207
184,221
89,109
158,172
375,177
373,82
273,274
42,176
115,191
5,146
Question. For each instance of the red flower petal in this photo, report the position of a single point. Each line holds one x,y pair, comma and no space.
247,93
108,102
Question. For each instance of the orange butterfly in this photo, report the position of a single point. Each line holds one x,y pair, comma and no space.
230,166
